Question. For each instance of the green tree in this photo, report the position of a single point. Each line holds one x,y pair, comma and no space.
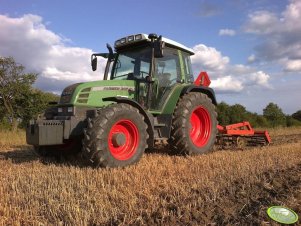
261,121
290,121
35,102
251,117
274,115
18,100
14,82
297,115
223,113
237,113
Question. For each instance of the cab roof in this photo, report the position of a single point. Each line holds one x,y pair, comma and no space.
139,38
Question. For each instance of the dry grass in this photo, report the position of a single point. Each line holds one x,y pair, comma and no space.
159,189
9,139
284,131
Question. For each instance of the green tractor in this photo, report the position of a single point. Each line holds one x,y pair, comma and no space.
148,93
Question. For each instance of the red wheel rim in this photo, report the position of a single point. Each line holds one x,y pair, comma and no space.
200,127
126,148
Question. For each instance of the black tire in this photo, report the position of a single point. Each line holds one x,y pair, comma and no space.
99,144
188,139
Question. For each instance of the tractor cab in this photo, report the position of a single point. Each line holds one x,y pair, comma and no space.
156,64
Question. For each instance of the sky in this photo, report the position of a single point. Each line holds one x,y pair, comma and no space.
250,49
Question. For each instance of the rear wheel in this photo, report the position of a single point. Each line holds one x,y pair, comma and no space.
194,125
116,137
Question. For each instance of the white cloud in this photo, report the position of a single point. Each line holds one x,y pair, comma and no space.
227,83
227,77
41,50
209,58
228,32
260,78
279,35
251,58
261,22
293,65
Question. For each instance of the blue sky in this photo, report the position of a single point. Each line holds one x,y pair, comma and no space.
251,49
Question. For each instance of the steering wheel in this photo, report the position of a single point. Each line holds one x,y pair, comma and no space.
168,82
143,72
174,79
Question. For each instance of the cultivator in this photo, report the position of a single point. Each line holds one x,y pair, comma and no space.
240,135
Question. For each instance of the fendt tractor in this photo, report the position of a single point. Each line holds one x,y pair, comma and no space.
148,93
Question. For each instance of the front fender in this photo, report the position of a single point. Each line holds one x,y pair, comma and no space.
148,118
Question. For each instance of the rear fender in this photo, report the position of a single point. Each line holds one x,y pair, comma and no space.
202,89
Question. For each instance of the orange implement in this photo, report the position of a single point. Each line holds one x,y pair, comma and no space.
243,130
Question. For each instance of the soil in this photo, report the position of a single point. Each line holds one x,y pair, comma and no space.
292,138
245,207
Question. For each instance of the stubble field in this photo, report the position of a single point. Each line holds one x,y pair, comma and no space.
232,187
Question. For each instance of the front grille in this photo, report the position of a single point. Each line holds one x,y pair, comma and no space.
83,97
52,123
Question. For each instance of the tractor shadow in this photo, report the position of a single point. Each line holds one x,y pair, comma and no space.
161,148
67,161
19,154
26,154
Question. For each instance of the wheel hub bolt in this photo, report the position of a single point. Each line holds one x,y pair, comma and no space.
118,139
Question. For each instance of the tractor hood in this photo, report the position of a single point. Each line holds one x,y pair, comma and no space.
92,93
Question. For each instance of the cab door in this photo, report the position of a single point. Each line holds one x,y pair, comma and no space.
167,73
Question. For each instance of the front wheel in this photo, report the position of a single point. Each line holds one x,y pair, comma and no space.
194,125
116,137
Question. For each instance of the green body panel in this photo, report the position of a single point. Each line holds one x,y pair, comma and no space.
90,94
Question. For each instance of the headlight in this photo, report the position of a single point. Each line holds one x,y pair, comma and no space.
117,43
138,37
122,41
131,38
60,110
70,109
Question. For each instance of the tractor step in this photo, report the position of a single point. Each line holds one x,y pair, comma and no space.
159,125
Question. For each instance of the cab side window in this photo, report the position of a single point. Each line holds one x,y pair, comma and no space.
167,68
188,74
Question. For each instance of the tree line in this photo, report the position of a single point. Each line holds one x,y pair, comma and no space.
21,102
272,116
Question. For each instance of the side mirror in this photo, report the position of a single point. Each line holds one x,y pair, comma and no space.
158,48
158,45
94,63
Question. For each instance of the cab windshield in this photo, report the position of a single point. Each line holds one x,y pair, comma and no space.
132,64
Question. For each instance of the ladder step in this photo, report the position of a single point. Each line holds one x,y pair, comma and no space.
161,138
160,125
